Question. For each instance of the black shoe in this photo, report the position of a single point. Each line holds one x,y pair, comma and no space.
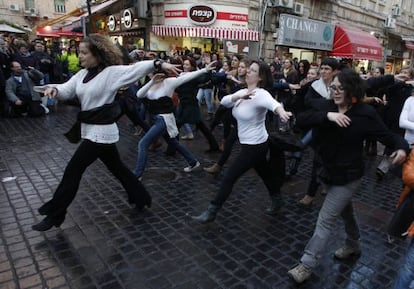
46,224
277,204
208,215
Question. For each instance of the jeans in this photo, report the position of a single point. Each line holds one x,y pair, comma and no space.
157,129
206,94
406,273
338,202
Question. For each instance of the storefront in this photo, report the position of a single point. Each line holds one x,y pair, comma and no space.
359,47
126,28
204,28
303,38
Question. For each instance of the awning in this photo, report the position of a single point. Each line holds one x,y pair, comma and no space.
48,31
356,44
206,32
409,45
10,29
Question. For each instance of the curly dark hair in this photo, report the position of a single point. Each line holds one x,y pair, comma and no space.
103,49
353,85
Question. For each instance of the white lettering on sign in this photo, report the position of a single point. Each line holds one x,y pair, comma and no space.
302,25
202,13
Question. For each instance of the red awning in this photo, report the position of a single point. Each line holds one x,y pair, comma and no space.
206,32
356,44
409,45
48,31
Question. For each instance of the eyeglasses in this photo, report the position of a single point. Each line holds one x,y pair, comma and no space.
336,89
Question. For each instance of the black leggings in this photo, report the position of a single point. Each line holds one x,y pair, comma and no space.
253,156
84,156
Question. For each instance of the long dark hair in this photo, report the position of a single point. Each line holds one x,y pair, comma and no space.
103,49
265,75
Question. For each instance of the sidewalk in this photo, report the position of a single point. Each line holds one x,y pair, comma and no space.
106,244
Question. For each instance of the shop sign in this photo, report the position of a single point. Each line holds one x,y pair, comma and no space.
111,23
202,14
304,33
127,18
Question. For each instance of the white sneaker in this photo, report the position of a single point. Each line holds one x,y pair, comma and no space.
346,252
189,136
192,168
300,273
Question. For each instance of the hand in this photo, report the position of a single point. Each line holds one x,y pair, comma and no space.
339,118
211,66
378,100
50,91
18,102
171,68
30,68
294,86
283,114
398,157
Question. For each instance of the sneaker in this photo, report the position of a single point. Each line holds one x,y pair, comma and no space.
346,251
214,169
300,273
192,168
306,200
189,136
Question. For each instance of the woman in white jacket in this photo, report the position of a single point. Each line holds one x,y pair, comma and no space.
96,85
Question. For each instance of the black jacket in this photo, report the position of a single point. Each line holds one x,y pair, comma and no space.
340,149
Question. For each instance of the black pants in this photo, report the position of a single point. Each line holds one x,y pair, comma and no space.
84,156
228,146
253,156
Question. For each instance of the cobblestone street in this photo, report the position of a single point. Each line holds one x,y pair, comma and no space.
105,243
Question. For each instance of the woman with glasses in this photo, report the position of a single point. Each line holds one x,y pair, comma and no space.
340,126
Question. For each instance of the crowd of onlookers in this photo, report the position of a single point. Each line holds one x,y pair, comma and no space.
298,85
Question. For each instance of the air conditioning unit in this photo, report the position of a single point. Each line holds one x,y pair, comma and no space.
283,3
14,7
298,8
390,22
32,11
396,11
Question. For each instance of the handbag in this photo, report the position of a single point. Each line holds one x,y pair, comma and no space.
403,217
285,139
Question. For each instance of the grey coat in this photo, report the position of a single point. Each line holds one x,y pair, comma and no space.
29,78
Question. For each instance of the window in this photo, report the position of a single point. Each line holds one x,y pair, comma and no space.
29,4
60,6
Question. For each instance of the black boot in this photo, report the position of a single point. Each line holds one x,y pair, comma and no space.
47,223
207,216
277,204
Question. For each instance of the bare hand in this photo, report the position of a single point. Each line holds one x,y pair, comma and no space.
398,157
50,92
211,65
294,86
171,68
339,118
18,102
283,114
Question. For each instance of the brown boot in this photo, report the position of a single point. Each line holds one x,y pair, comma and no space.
214,169
306,200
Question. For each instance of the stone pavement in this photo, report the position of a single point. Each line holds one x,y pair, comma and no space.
104,243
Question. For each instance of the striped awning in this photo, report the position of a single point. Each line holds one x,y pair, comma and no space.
205,32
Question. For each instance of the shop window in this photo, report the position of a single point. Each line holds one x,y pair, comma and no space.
60,6
29,4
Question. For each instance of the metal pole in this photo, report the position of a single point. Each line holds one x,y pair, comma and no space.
88,19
